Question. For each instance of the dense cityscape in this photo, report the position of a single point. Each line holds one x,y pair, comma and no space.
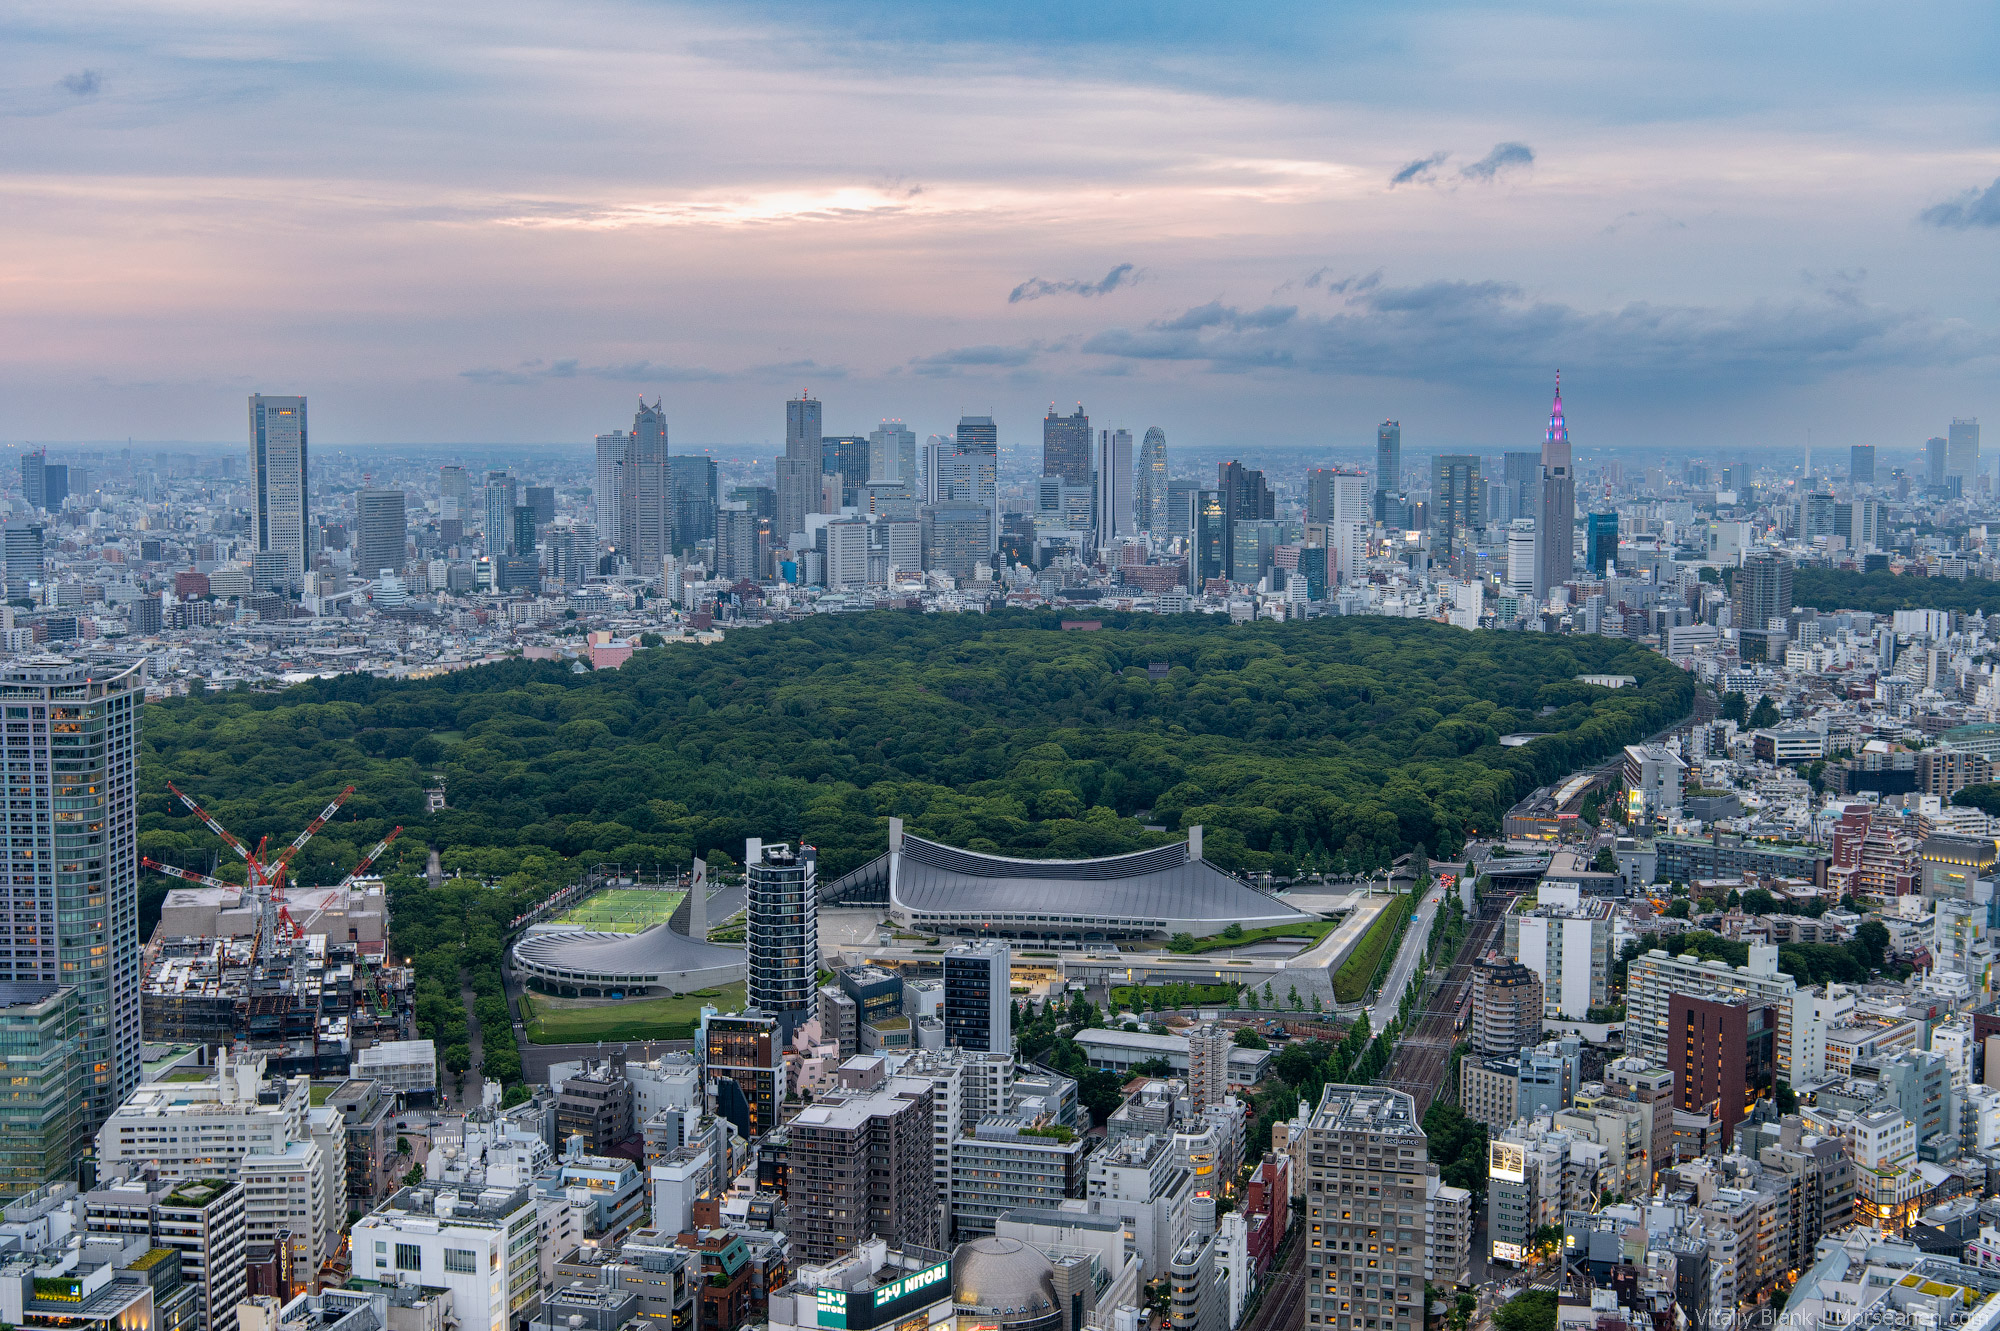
939,665
1641,969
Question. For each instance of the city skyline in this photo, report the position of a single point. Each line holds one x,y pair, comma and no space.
1723,231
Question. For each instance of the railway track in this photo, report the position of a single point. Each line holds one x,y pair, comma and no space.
1283,1305
1423,1054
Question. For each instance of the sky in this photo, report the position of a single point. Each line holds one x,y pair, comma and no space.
1727,224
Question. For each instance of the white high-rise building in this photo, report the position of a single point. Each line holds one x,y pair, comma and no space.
611,451
892,453
1208,1064
278,497
72,883
1521,556
1566,941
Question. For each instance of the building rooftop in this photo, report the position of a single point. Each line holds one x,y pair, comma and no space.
1366,1109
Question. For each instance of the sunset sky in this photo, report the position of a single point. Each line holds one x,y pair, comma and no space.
1278,222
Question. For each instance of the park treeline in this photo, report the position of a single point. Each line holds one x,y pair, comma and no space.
1334,743
1883,592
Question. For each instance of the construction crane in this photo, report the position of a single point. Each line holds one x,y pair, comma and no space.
266,877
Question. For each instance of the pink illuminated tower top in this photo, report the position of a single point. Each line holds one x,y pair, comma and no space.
1558,432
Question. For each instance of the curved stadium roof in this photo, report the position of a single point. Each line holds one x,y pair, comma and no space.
1165,889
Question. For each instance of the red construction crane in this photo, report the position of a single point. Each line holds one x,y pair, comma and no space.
267,876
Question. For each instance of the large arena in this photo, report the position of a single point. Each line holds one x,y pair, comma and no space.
1149,894
584,963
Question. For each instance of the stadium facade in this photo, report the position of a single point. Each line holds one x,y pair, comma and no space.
583,963
934,888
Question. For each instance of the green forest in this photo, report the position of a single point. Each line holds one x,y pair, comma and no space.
1336,743
1882,592
1339,741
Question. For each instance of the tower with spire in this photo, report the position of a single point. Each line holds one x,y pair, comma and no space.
1555,525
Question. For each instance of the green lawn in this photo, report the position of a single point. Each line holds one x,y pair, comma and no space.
670,1018
622,910
1179,994
1351,981
1314,930
187,1074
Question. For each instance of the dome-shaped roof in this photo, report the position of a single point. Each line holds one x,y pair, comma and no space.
1003,1278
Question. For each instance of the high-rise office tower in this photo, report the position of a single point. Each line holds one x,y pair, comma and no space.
1458,498
541,498
1522,473
1861,464
978,1007
31,477
1180,507
524,540
1962,450
72,773
846,456
381,532
978,453
645,493
43,1127
278,501
1319,494
781,930
499,522
697,490
800,469
1208,548
1149,491
1934,458
892,453
1521,557
604,498
1555,524
1600,543
24,558
1066,445
1763,594
1114,486
1245,498
454,484
1388,469
934,470
56,484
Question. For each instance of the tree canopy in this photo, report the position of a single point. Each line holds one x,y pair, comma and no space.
1883,592
1347,740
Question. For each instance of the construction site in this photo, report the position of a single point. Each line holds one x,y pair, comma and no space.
302,976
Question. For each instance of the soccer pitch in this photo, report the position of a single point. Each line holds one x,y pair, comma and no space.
622,910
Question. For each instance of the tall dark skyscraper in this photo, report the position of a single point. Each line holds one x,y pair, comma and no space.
1149,490
1861,464
1555,525
976,463
380,531
646,507
1388,470
1763,593
1208,545
1066,445
1600,546
1458,498
798,471
1245,498
781,930
695,497
31,477
499,521
1934,458
1319,494
1962,451
278,497
1114,486
1522,474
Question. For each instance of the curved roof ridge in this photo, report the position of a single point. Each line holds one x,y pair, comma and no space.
984,864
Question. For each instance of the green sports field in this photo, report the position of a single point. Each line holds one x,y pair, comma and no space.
622,910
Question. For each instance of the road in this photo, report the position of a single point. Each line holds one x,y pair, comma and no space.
1423,1052
474,1083
1416,939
